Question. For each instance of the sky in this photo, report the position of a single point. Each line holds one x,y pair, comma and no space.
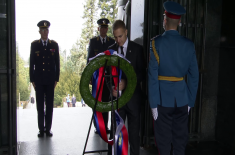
65,17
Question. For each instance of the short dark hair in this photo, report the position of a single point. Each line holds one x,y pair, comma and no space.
118,24
172,22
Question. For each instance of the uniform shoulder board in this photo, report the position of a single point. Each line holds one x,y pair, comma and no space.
54,41
155,37
35,41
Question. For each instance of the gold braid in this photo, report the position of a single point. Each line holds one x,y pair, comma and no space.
155,51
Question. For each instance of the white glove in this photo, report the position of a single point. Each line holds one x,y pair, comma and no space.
188,109
154,113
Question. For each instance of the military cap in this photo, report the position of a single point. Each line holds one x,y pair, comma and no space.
103,22
173,10
44,24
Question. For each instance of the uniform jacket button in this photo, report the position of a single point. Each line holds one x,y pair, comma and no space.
43,69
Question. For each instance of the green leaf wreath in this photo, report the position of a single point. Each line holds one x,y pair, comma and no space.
95,64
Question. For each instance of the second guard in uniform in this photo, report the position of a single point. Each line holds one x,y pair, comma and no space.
98,45
172,57
44,75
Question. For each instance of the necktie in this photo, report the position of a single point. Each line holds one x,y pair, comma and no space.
122,50
44,43
103,41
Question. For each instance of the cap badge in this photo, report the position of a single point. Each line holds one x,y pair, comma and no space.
104,22
45,24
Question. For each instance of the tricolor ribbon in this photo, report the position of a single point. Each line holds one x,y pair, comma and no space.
121,136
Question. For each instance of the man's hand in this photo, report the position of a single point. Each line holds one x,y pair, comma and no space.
122,84
55,84
34,86
154,113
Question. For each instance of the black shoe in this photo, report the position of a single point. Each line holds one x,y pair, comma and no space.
96,131
49,134
40,134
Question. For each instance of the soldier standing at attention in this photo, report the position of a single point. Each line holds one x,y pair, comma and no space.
44,75
98,45
172,57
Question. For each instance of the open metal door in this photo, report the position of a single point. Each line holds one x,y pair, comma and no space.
8,140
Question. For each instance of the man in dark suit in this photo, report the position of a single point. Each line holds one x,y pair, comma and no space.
44,75
98,45
134,53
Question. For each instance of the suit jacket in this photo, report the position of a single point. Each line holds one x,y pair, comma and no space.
96,46
177,58
135,55
44,62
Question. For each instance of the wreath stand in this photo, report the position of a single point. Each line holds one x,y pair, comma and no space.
113,122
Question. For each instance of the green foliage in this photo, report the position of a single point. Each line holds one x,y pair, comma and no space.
68,84
23,89
108,10
78,52
22,78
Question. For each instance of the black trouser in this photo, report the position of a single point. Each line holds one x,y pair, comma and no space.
133,129
171,127
41,92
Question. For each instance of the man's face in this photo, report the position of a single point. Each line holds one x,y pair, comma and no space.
120,36
103,31
44,33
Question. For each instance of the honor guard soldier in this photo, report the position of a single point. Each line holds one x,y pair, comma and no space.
98,45
44,75
172,57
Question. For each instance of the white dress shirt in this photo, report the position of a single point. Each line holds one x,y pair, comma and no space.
124,48
102,39
43,42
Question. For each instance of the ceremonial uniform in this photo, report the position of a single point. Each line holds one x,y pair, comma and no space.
98,45
172,57
44,72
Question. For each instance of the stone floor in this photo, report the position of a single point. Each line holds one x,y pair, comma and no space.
70,127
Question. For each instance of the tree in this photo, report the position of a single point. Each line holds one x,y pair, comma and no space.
22,78
68,84
79,49
108,10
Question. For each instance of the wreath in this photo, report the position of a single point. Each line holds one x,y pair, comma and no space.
96,63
